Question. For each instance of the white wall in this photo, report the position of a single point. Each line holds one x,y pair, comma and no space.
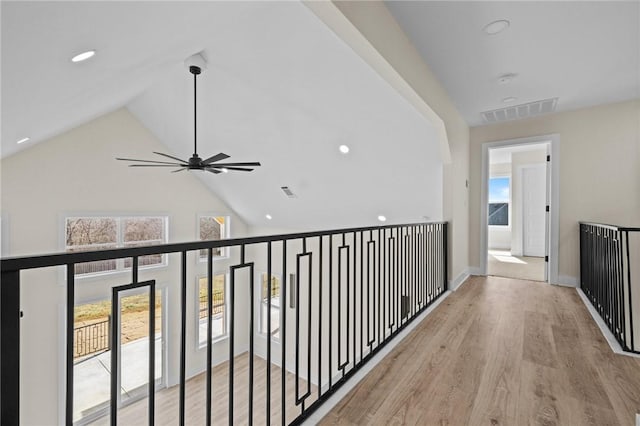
379,27
76,173
599,171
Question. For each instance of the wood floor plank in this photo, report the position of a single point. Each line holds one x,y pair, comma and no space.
538,346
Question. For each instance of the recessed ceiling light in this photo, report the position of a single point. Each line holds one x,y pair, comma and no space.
506,78
224,170
268,216
496,27
382,218
23,140
344,149
509,99
83,56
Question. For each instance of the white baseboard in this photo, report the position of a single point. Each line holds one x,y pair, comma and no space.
462,277
611,340
568,281
475,270
328,405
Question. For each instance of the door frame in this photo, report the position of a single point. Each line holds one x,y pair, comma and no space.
553,183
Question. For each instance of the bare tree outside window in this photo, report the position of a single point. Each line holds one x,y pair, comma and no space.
143,231
101,233
213,228
92,233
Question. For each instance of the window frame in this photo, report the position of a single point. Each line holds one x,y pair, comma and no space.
227,234
120,243
263,304
203,344
509,202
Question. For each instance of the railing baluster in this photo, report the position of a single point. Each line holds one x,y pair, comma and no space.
70,323
269,335
330,310
152,352
209,333
283,336
320,316
183,336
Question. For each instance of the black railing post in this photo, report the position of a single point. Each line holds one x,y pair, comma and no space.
445,255
10,347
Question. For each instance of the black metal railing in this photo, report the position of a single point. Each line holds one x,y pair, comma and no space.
344,295
608,277
92,338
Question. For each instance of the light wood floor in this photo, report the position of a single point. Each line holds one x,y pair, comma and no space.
500,352
167,400
502,264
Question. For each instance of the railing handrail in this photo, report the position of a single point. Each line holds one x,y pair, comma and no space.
14,263
612,227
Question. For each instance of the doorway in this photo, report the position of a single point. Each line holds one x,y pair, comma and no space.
519,231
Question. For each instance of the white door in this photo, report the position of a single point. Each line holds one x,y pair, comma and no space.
534,199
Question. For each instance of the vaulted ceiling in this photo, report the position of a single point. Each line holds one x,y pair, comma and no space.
280,88
283,89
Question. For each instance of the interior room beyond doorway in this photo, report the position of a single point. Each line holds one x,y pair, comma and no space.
517,220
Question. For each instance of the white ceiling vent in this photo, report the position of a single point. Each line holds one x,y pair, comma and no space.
288,192
517,112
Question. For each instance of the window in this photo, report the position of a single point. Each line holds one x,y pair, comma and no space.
499,195
102,233
273,305
219,328
213,228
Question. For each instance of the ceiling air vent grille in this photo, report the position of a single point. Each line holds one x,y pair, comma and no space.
517,112
288,192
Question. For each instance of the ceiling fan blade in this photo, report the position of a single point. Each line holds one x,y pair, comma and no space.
250,164
233,168
169,156
213,171
156,165
148,161
179,170
217,157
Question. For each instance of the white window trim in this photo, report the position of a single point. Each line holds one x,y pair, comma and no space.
196,298
261,306
120,268
227,234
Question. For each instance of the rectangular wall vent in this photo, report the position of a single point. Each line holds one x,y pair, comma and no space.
288,192
517,112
